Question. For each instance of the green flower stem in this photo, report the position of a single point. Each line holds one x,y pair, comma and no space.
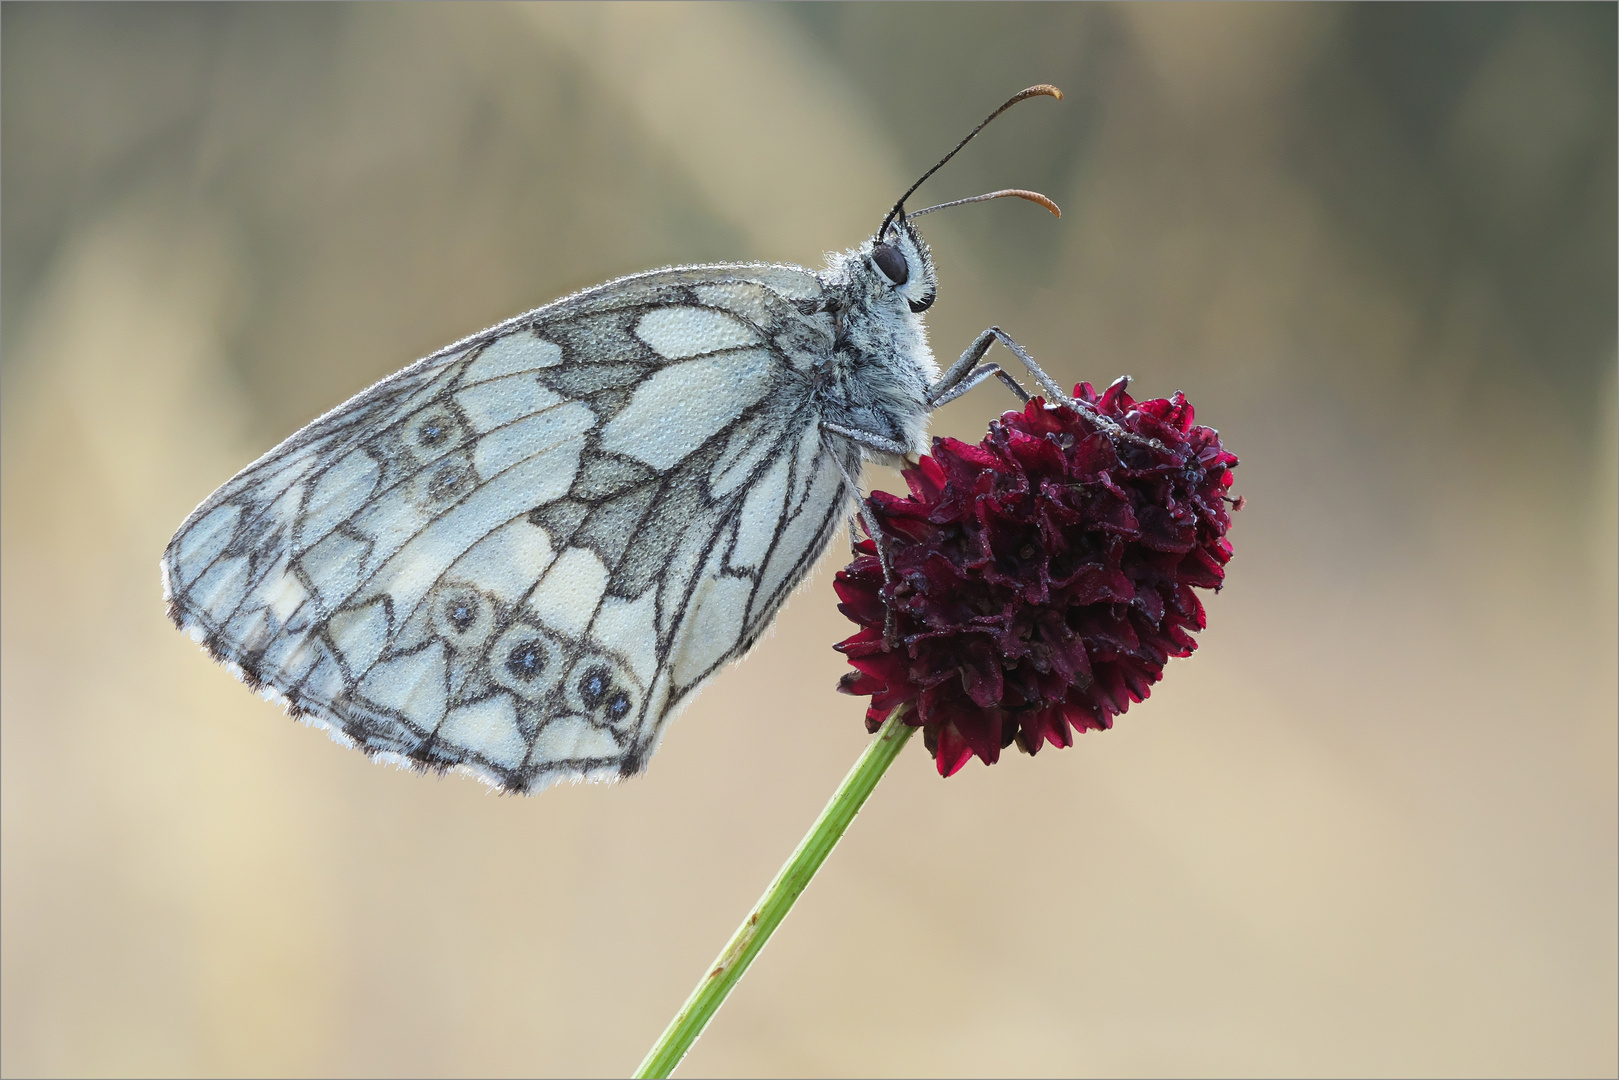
778,899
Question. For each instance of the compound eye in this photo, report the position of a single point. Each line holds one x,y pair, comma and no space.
890,262
919,306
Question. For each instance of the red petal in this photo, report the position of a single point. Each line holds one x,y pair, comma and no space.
1114,400
982,731
953,751
981,675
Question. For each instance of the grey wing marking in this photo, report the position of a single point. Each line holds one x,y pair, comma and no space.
735,560
519,555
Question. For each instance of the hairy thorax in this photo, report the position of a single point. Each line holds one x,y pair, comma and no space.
877,377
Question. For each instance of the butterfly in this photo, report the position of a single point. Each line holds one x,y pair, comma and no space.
521,555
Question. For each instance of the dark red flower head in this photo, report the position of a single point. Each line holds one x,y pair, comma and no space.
1040,580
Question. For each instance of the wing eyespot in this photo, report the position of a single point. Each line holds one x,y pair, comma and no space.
600,690
445,483
527,660
462,616
430,434
594,685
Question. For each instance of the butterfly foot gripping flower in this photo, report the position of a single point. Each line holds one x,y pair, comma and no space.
1039,580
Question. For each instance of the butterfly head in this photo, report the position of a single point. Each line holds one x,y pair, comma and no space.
898,258
900,263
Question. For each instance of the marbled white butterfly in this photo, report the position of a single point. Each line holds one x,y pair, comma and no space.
520,555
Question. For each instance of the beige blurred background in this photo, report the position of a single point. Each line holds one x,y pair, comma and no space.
1370,828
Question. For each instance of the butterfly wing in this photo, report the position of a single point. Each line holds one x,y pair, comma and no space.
520,555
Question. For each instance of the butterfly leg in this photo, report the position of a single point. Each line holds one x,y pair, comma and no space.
890,636
967,373
966,368
962,368
978,375
1054,391
869,439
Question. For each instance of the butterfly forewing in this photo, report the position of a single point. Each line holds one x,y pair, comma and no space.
521,554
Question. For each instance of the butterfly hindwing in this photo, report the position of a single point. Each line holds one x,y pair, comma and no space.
521,554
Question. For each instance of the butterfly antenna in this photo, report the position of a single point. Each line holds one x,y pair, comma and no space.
1043,90
1014,193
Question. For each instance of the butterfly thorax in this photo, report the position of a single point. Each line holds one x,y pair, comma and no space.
881,366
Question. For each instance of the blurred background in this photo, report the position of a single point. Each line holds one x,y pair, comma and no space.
1370,828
